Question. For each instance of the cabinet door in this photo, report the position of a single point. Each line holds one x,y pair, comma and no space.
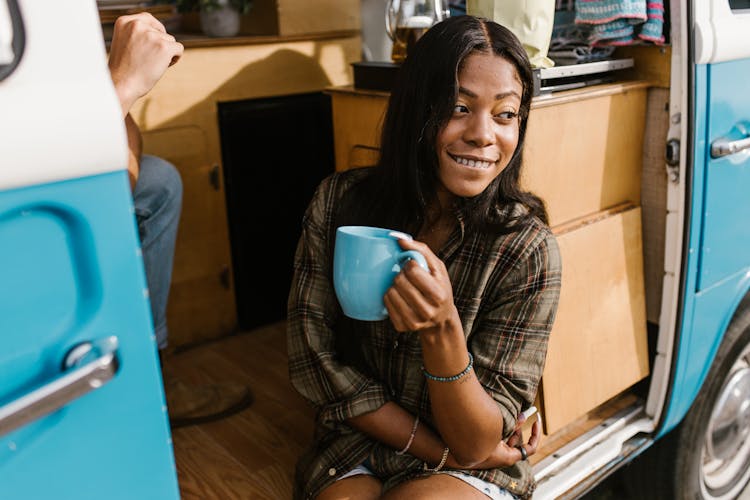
598,343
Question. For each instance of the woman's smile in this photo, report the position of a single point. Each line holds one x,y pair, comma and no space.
471,161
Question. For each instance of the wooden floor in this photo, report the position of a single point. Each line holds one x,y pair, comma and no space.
251,455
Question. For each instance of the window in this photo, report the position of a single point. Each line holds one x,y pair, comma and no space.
739,4
11,37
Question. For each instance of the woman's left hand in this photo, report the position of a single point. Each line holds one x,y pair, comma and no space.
420,299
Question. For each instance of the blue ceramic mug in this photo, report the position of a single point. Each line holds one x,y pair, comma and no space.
366,260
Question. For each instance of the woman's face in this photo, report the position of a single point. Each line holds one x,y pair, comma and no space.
480,137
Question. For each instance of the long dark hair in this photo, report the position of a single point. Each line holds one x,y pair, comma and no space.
404,182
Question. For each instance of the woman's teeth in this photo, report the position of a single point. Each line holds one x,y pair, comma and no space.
471,163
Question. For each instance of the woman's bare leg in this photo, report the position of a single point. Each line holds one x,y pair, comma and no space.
437,487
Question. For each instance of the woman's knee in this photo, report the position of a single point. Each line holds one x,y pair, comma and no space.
435,487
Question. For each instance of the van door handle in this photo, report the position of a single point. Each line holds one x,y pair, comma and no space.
724,147
81,375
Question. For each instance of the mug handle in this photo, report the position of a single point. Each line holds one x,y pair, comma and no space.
413,255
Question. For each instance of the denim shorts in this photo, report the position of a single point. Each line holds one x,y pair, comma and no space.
492,491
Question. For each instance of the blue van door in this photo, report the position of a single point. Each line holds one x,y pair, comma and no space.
726,215
711,447
82,412
82,408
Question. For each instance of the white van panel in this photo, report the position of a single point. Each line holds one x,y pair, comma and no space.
60,116
720,34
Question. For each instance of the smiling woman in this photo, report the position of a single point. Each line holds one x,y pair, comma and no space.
480,138
426,403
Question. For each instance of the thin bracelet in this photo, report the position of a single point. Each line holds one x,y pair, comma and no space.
411,437
452,378
441,464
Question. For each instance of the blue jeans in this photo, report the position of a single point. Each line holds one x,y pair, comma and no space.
158,202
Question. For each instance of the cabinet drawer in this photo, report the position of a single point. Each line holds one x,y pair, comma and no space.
584,155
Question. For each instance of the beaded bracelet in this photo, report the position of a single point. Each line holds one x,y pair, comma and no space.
411,437
451,378
440,465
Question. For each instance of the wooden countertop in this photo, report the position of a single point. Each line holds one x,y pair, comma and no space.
196,40
541,101
199,40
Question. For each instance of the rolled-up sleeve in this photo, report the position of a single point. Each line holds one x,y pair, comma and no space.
510,341
338,391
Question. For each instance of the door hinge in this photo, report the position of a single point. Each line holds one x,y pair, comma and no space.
672,157
215,177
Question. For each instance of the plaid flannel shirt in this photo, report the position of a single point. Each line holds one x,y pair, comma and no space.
506,290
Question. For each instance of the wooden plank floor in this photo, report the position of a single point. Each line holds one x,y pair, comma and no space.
249,455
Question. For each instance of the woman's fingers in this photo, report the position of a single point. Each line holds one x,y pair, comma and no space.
515,439
429,294
402,315
432,260
536,431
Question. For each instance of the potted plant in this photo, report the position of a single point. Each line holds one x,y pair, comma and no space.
217,17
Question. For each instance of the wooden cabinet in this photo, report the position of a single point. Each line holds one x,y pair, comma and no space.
583,155
179,122
598,346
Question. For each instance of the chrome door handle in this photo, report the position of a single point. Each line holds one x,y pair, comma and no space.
79,377
724,147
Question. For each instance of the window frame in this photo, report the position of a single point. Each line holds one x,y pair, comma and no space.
18,43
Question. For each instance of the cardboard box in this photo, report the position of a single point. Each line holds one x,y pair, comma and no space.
300,17
598,345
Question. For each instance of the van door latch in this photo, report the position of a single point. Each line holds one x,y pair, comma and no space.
672,157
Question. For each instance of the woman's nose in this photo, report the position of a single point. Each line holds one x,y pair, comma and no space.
480,130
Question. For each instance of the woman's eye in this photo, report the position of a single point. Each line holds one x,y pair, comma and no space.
460,108
507,115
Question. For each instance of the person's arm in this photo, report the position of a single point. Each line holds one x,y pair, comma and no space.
140,53
135,148
476,412
337,389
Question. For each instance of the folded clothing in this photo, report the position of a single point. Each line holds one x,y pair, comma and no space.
622,22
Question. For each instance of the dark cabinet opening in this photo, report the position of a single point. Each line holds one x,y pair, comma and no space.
275,152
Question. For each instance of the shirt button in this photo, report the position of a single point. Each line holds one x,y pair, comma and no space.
393,392
395,344
331,471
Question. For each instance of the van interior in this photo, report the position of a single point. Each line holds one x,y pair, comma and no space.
253,122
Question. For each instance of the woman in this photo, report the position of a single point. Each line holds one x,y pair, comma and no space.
425,404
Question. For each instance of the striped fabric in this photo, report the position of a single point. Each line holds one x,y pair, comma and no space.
505,288
653,29
604,11
622,22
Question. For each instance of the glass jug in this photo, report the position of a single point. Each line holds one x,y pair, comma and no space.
407,20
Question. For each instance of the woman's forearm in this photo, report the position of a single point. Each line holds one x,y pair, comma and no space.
466,417
392,425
